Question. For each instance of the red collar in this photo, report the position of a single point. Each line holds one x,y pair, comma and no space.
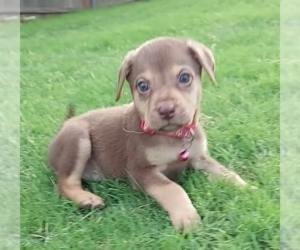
184,132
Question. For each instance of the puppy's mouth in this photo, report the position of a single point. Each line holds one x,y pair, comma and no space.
171,127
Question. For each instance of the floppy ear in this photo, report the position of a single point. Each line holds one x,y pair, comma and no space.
204,56
124,72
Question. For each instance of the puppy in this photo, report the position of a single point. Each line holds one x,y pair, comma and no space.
149,141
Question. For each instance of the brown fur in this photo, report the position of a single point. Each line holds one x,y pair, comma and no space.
110,143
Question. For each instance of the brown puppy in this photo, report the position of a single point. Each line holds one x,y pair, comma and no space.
165,79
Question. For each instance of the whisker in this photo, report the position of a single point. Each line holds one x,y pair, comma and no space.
135,132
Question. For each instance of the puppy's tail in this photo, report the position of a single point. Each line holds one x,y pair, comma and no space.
70,112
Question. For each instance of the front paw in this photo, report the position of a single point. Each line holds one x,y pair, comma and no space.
185,219
240,182
235,179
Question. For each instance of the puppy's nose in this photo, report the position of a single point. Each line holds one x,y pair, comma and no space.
166,111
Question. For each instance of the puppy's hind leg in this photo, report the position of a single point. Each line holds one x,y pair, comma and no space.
74,147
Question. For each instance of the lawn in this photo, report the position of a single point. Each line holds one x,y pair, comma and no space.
75,59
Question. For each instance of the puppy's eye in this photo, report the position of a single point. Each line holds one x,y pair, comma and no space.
184,78
143,87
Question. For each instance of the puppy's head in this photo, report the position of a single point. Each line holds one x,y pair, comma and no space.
165,80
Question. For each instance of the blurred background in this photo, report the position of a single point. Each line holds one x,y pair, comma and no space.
31,9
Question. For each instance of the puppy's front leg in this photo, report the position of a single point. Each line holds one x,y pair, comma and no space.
171,196
213,167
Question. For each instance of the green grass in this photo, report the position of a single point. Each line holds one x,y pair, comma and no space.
75,58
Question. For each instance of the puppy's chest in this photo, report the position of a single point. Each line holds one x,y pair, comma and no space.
173,168
164,156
